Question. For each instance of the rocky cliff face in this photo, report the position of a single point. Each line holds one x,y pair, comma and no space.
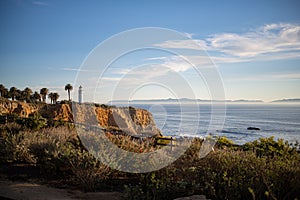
20,108
132,121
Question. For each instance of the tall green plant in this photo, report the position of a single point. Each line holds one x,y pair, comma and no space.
68,88
44,92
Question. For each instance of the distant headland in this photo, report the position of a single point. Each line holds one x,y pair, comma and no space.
188,100
287,101
183,100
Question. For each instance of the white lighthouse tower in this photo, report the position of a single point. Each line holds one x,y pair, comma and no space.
80,94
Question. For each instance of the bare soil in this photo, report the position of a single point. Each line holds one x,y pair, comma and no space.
18,190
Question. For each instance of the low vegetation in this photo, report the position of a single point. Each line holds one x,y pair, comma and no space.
263,169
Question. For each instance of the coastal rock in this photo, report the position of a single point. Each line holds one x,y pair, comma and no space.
15,107
133,121
253,128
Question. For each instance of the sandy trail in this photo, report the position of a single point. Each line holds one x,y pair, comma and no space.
32,191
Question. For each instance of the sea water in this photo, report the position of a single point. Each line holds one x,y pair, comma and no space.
278,120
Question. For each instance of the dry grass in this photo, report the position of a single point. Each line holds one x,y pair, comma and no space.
264,169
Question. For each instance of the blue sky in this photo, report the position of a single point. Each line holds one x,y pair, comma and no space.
255,45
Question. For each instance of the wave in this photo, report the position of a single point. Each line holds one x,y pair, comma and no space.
190,136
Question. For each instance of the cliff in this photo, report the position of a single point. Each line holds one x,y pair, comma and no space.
133,121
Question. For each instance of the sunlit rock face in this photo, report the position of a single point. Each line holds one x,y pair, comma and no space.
129,120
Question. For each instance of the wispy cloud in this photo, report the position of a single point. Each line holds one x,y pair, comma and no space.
40,3
145,73
110,79
176,63
272,41
183,44
183,63
74,69
286,76
189,35
268,39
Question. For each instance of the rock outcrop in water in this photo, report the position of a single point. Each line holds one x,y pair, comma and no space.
253,128
133,121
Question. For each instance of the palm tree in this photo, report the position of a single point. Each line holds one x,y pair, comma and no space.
55,97
36,96
13,92
20,95
27,93
50,95
69,87
44,92
3,91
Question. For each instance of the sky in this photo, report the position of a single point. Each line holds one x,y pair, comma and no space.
253,46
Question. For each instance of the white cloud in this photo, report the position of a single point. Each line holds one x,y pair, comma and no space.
40,3
119,71
269,42
272,38
76,69
183,44
189,35
286,76
70,69
184,63
177,64
112,79
128,78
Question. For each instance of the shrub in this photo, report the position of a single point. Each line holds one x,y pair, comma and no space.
86,168
33,122
10,128
263,169
224,142
270,148
14,148
64,102
230,173
103,106
9,118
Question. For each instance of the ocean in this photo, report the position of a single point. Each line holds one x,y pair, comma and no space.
278,120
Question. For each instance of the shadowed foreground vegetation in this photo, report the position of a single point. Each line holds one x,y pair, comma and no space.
263,169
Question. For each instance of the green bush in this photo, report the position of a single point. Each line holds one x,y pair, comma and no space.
85,167
230,173
263,169
33,122
14,148
10,128
224,142
270,148
8,118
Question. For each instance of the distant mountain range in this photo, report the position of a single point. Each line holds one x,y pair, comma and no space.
184,100
187,100
287,101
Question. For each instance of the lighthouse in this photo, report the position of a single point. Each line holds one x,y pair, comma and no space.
80,95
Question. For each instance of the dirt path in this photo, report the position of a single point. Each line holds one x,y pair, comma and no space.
32,191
